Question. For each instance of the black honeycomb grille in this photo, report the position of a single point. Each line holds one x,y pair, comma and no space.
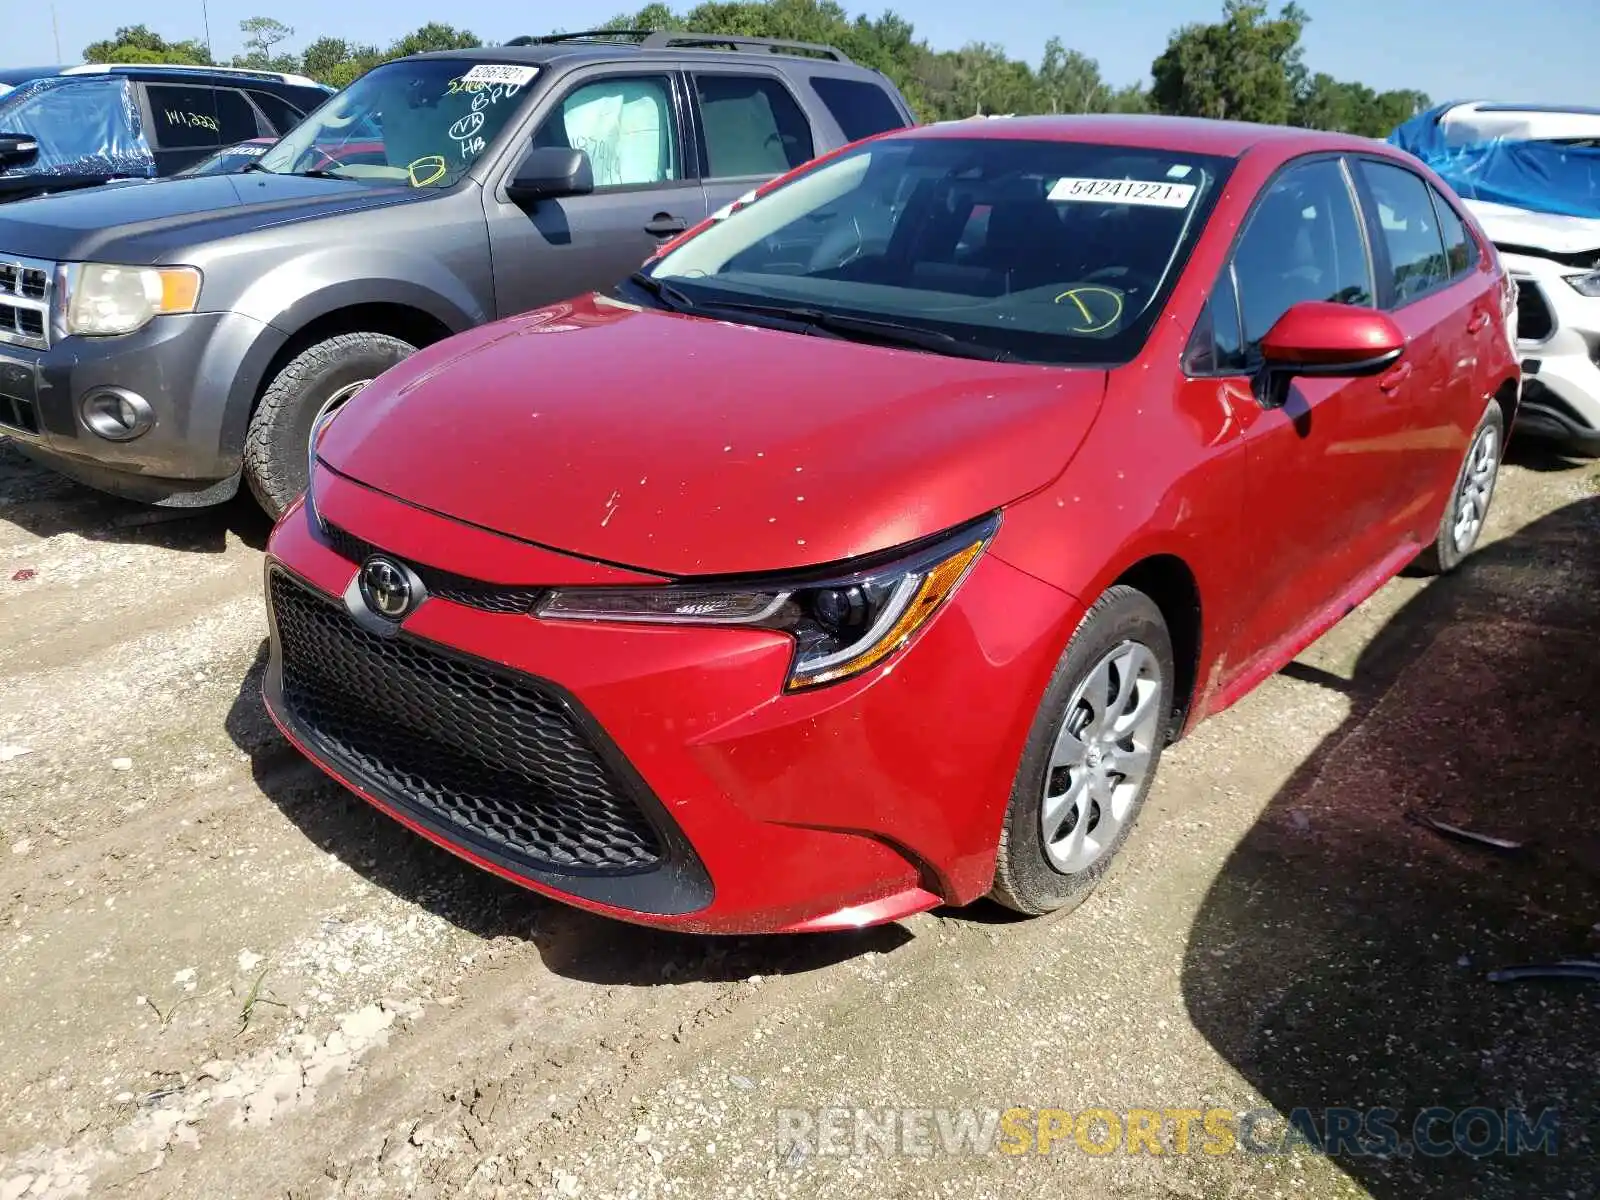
446,585
500,759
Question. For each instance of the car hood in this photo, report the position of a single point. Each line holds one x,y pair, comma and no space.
688,446
146,224
1553,233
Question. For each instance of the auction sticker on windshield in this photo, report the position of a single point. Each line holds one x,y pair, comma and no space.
506,73
1124,191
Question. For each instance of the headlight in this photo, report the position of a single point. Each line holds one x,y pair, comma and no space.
843,622
102,299
1587,285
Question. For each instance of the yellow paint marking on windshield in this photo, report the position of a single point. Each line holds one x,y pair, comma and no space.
434,164
1076,295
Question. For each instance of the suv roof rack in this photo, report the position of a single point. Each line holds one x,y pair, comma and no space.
661,39
192,68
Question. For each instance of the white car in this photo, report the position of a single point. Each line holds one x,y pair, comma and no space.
1550,158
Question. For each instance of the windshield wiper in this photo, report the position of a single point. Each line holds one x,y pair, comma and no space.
664,292
313,173
889,333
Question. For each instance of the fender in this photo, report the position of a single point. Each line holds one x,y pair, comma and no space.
290,297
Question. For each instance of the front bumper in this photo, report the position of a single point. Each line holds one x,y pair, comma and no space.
192,371
860,803
1558,341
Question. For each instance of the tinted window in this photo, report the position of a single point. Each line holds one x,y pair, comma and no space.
1303,242
1405,214
1460,251
186,117
1046,251
626,126
283,115
861,109
752,127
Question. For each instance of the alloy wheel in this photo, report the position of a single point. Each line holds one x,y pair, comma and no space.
1101,757
1477,486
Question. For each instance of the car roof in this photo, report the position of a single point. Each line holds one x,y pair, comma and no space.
16,75
609,45
191,71
1198,135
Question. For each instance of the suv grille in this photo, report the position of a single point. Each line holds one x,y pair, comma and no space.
25,286
446,585
499,761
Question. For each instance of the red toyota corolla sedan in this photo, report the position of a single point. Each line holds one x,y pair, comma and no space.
862,553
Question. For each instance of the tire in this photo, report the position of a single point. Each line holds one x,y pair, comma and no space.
275,449
1124,626
1474,484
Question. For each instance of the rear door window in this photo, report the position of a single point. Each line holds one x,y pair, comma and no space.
752,127
1409,228
1460,251
282,115
187,117
861,109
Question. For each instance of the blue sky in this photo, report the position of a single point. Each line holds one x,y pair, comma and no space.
1524,50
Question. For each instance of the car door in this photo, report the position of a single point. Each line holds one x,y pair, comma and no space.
632,124
749,128
1317,460
187,122
1427,283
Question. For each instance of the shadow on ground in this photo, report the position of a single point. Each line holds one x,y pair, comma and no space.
571,942
45,504
1341,957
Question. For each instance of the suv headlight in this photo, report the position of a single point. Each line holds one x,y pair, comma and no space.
844,621
104,299
1587,285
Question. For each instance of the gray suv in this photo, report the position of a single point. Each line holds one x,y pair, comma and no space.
164,342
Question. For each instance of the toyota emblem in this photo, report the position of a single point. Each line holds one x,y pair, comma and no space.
386,587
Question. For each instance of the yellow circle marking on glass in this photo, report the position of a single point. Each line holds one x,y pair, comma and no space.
1076,296
433,164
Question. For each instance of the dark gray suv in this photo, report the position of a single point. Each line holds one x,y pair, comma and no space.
165,342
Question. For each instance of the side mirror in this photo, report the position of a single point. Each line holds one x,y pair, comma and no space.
550,172
17,148
1319,337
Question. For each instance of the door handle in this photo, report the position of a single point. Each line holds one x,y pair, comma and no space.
665,224
1479,320
1394,377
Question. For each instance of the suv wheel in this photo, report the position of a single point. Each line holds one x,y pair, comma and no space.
317,380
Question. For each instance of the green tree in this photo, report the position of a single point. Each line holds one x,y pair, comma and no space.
140,44
261,35
1246,67
433,36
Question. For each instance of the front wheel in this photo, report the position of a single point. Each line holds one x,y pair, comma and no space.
1090,757
1461,527
317,380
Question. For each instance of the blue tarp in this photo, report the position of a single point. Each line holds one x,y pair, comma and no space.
1543,176
84,124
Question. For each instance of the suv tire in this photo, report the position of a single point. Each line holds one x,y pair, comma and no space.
330,371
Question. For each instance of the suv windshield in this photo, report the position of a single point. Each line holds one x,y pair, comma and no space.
83,126
1038,251
422,121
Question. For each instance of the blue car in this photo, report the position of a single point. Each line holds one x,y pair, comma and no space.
63,128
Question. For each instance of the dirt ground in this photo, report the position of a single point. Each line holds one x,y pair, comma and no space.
220,976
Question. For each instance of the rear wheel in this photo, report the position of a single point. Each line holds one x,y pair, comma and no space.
1461,527
317,380
1090,757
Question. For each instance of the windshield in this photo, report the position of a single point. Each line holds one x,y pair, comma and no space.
1041,251
84,126
229,159
422,121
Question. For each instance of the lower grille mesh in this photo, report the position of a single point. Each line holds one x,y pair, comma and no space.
500,759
